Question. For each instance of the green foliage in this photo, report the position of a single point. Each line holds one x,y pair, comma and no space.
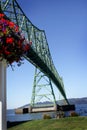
73,114
46,116
69,123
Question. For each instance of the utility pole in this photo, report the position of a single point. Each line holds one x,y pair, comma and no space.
3,125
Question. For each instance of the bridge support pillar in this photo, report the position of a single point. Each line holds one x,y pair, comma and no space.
42,91
3,96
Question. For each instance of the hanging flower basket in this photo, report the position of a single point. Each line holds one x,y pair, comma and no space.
12,44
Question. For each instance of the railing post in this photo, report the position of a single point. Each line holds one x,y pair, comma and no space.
3,96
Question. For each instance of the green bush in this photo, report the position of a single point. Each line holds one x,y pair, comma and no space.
73,114
46,116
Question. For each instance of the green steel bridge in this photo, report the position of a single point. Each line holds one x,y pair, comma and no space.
39,53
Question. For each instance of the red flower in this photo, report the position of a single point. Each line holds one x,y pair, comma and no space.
0,27
16,29
12,44
9,40
7,52
5,31
3,21
26,48
1,15
19,44
11,24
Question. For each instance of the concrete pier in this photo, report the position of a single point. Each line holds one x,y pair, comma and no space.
35,110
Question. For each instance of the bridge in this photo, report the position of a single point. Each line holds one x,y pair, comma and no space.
38,55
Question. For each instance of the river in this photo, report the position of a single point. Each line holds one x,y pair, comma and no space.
81,109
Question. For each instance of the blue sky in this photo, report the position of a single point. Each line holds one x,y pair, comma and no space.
65,24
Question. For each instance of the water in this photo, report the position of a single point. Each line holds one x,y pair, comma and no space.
12,117
81,109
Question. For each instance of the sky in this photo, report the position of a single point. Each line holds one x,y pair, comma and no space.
65,25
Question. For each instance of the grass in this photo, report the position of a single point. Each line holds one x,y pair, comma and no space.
70,123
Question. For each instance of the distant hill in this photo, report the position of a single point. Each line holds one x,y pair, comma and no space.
71,101
78,100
